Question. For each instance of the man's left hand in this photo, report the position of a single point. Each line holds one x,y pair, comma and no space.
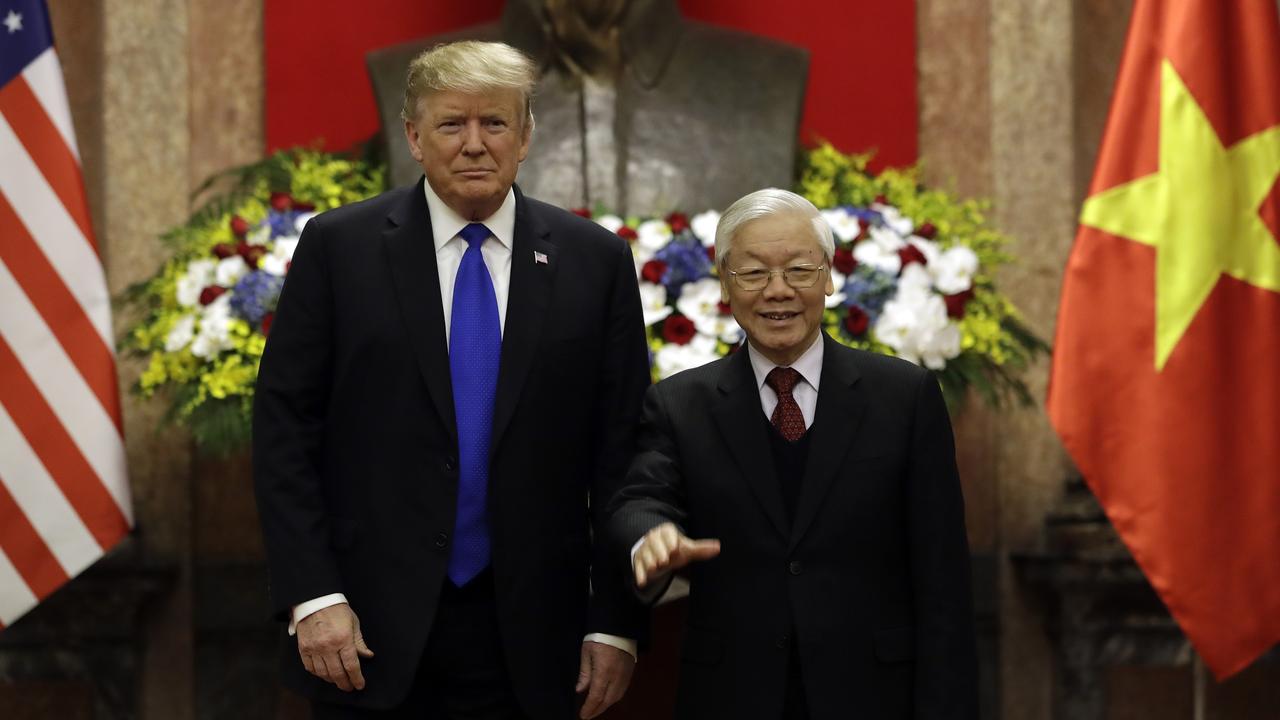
605,674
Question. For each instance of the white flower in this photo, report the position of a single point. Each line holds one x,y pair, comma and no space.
843,223
653,235
610,222
894,219
876,255
704,226
671,358
928,248
214,335
641,255
230,270
915,323
700,302
300,222
199,275
259,235
277,263
954,269
180,334
653,300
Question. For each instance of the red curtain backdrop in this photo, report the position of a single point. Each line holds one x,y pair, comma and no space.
862,75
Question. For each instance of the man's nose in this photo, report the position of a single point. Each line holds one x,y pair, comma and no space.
472,141
777,287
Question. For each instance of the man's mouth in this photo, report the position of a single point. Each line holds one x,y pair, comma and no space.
778,316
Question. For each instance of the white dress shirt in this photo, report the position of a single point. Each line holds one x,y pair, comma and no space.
809,365
445,226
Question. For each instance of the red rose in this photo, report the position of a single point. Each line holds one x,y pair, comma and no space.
266,322
882,200
955,303
653,271
303,207
911,254
239,225
281,201
678,329
927,231
581,212
711,253
222,251
844,261
724,308
678,221
626,233
251,253
211,293
856,321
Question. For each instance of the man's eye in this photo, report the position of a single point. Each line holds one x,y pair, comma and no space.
752,274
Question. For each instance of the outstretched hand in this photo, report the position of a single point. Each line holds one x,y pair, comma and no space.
666,549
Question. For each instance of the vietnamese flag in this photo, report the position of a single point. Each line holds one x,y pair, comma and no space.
1166,370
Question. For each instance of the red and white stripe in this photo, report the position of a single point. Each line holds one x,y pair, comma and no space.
64,493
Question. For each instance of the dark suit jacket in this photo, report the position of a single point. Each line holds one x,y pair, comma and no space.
870,579
355,447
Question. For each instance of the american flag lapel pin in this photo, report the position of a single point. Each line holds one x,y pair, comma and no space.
539,258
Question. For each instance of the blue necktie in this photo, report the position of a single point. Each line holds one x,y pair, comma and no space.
475,345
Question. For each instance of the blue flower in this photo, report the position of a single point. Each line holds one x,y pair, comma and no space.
869,289
255,295
686,261
282,223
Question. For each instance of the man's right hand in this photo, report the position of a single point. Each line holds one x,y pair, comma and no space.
330,644
666,549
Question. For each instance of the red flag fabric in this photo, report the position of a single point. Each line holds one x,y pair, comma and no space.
64,496
1165,387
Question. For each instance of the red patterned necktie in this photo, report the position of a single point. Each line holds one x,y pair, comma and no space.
786,418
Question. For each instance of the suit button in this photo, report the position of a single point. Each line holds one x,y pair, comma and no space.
795,568
442,540
782,642
450,463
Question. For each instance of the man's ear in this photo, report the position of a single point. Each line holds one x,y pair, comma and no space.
724,287
831,282
411,135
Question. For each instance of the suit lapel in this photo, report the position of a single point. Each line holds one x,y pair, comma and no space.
740,419
841,405
411,254
527,302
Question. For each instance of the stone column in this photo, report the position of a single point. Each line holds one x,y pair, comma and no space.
163,94
1013,94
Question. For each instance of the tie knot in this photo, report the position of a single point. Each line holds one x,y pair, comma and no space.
782,379
475,234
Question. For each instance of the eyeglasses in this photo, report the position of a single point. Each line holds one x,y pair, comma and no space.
797,276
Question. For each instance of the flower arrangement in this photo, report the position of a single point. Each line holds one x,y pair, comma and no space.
206,314
913,271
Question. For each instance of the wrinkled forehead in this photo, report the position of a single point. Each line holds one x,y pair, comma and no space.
777,238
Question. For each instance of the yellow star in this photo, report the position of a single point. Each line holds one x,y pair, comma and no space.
1200,211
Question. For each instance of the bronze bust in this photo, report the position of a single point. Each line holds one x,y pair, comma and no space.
638,110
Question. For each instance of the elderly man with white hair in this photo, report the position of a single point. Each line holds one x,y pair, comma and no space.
447,400
829,577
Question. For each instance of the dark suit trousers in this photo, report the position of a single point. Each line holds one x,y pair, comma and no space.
462,674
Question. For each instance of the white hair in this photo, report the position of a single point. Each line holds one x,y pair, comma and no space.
470,66
765,203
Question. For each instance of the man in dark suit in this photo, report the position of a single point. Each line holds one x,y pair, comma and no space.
833,577
446,402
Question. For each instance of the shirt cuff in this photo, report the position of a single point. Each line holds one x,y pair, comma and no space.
302,610
626,645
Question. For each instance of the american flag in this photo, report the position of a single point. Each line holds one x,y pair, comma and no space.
64,495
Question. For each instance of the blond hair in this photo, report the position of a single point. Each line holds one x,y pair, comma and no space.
469,66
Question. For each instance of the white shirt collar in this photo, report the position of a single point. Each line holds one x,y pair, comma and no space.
809,364
446,223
